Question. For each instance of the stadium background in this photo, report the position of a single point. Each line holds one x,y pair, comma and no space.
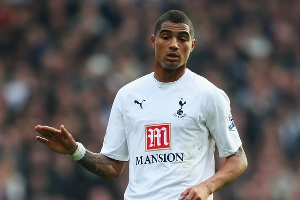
62,61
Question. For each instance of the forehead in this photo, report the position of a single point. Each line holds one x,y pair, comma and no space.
174,27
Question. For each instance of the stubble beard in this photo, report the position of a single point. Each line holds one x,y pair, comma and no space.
170,67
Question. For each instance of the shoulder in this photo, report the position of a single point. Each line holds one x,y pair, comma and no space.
209,92
138,84
204,84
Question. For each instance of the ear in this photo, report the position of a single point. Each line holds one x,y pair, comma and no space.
193,44
153,40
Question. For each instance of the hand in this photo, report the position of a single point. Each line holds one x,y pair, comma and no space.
198,192
60,141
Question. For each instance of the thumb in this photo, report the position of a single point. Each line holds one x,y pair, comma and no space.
63,130
66,134
68,139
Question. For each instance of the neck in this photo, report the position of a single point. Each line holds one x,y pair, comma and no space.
168,75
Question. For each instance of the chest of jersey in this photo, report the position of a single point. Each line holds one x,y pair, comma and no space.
164,120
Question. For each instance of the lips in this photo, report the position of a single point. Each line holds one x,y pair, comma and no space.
172,56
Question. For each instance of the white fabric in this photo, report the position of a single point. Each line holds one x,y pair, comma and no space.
189,116
79,152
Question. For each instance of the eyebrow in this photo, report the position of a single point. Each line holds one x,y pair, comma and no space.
179,33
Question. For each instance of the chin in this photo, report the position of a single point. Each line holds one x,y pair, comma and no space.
170,67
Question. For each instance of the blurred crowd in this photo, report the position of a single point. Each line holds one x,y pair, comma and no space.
62,62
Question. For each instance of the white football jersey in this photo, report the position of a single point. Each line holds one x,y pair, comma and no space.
168,132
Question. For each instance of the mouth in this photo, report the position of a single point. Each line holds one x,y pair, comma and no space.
172,57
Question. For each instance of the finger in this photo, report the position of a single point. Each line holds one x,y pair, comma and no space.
189,196
42,140
41,131
47,131
184,194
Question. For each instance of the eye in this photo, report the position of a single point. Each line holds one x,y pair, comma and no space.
182,39
165,37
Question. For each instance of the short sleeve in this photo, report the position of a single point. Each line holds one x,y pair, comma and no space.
221,125
115,143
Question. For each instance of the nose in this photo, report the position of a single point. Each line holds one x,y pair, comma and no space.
173,44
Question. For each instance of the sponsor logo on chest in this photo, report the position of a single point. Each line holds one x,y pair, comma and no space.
158,137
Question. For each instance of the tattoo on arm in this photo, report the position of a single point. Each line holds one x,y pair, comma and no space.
238,153
240,156
91,162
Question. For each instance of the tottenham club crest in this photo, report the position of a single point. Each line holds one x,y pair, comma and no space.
180,113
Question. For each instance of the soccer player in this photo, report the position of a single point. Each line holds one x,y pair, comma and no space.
166,124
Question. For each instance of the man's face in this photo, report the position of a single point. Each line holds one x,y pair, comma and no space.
173,45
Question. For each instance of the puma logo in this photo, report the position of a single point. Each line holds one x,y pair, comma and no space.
139,103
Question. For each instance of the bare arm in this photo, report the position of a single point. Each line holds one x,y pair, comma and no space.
232,168
61,141
102,166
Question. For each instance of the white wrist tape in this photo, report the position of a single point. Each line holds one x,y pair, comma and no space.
79,152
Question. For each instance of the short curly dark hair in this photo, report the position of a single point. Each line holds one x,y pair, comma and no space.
174,16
